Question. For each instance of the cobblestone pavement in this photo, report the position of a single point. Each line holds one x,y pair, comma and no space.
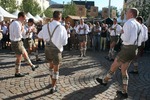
76,82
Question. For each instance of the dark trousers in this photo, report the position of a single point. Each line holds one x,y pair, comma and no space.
39,44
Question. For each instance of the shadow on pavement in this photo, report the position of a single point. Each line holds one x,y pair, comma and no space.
71,70
28,93
40,76
86,93
5,78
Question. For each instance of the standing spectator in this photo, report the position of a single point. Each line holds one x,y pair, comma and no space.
63,21
82,30
39,28
1,35
16,29
67,26
55,36
147,44
90,35
96,36
103,37
115,30
132,38
76,42
5,35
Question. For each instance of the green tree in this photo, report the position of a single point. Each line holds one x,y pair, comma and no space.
69,9
48,12
9,5
144,9
30,6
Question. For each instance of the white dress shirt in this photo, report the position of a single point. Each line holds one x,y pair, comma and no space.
131,29
75,28
82,31
60,36
145,33
5,29
26,34
15,31
118,30
97,29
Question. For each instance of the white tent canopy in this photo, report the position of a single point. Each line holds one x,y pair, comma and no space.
16,12
43,16
1,18
4,13
38,17
31,16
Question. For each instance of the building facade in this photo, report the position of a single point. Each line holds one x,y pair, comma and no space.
86,8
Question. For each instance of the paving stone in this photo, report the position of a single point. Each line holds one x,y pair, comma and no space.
76,81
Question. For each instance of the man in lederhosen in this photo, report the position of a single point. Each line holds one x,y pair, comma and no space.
55,36
16,30
132,38
28,41
140,48
82,31
115,30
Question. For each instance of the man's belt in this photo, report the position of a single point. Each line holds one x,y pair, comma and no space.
82,34
28,38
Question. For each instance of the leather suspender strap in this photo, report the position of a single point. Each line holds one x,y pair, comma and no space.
137,36
51,35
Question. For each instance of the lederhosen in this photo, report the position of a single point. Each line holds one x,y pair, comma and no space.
52,53
82,37
17,47
128,52
114,38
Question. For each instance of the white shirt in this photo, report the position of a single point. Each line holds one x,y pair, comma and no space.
82,31
118,30
68,32
27,35
145,33
60,36
131,29
75,28
5,29
97,28
15,31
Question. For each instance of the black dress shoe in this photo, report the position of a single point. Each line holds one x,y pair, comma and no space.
84,55
121,95
81,55
101,81
19,75
53,90
34,67
134,72
38,60
111,59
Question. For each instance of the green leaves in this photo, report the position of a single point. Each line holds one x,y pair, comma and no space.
9,5
48,12
69,9
30,6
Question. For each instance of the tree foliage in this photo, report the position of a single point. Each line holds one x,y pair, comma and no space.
48,12
69,9
9,5
30,6
144,9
